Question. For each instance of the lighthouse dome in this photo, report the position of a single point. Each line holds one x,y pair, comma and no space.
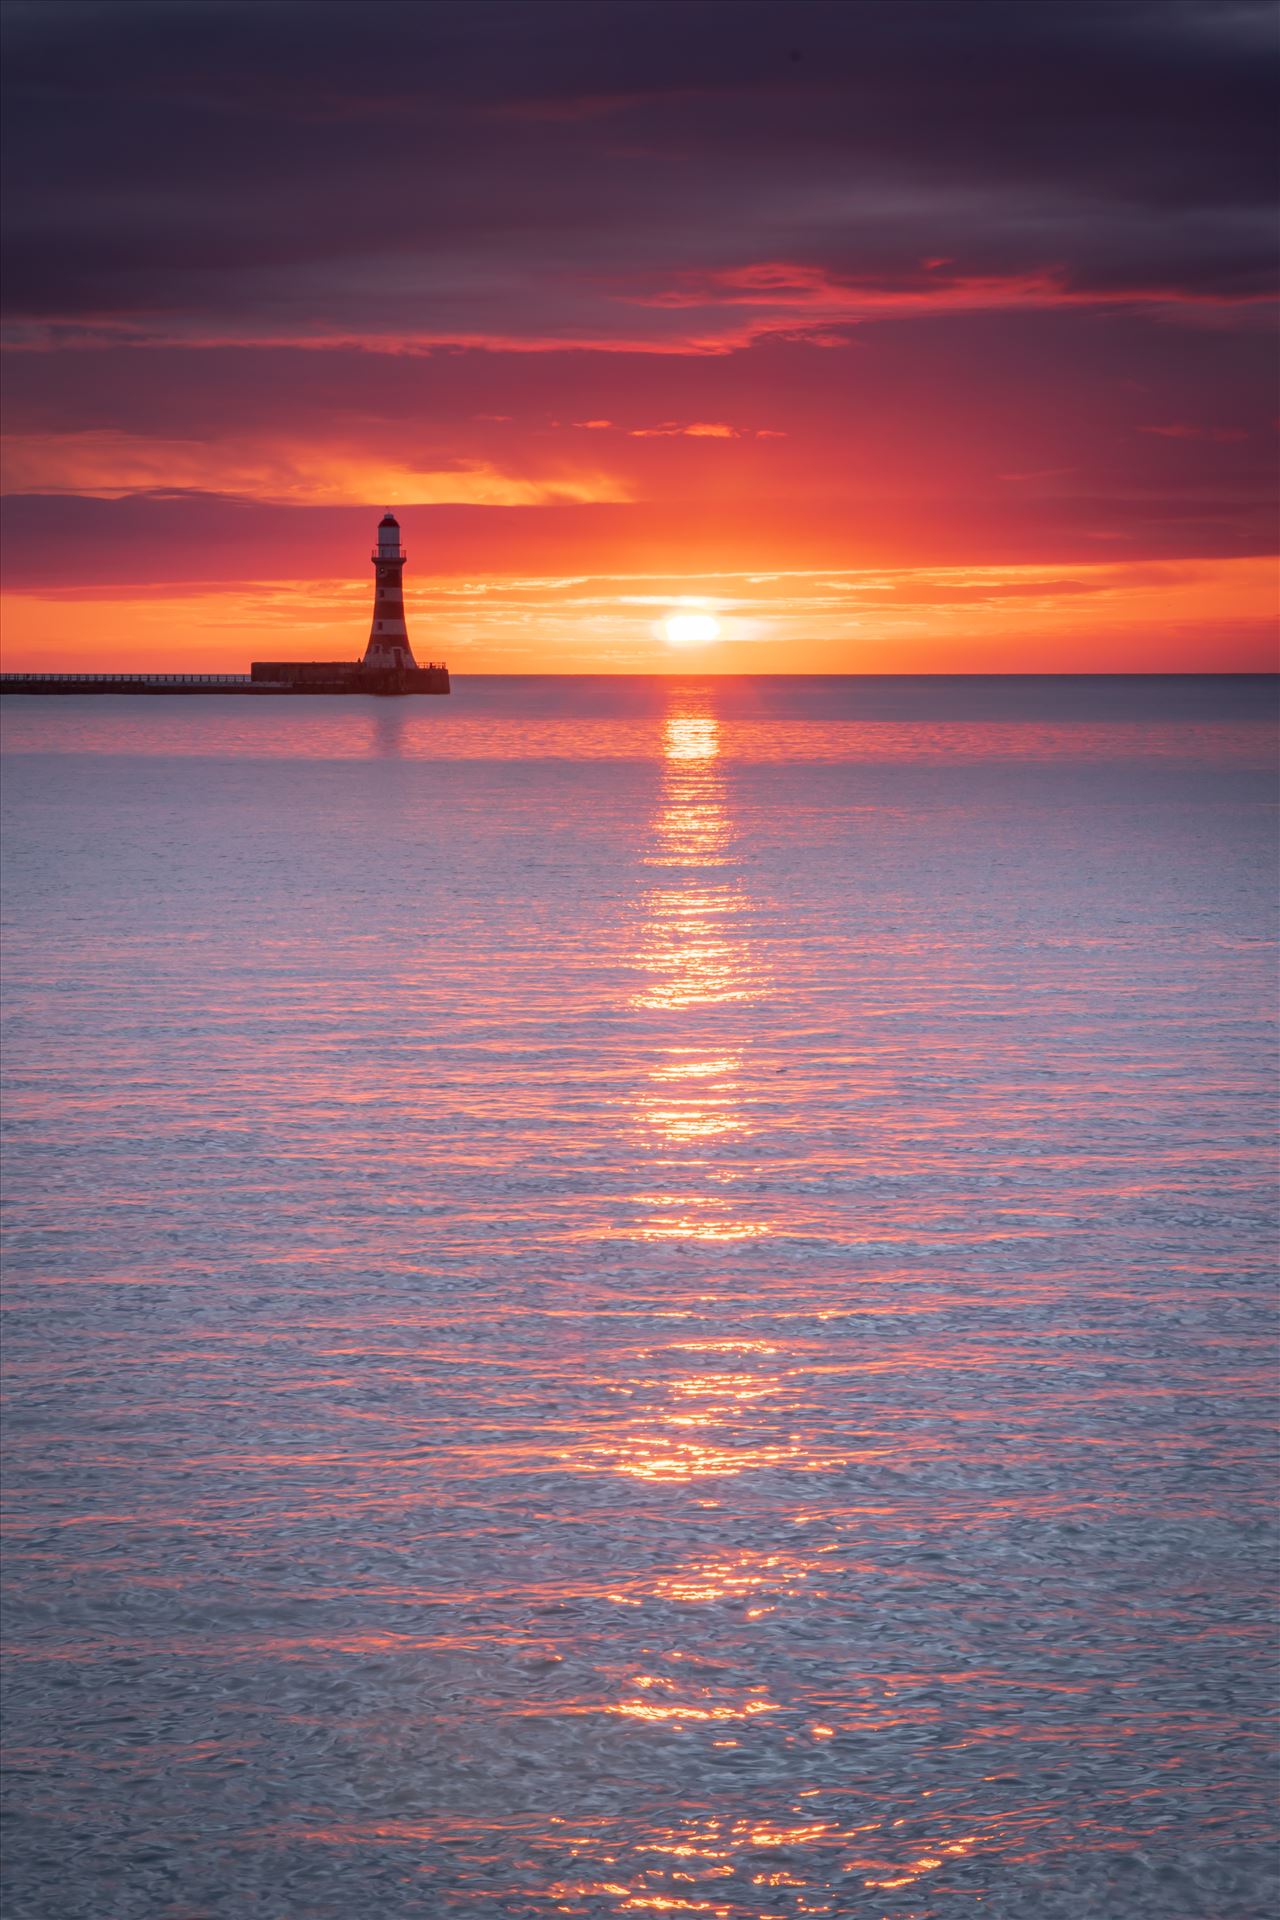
388,548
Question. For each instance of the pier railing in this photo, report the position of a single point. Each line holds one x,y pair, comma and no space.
137,679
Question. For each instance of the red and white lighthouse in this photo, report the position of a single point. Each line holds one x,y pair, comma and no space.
388,647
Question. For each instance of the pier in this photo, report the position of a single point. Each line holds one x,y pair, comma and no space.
388,668
288,677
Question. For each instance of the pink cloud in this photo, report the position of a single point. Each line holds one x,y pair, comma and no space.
790,286
1182,431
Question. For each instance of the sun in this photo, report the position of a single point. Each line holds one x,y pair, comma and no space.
691,629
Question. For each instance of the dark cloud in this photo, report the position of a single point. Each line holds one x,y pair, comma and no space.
1064,377
944,280
551,168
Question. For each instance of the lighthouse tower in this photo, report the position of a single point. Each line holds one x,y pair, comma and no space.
388,648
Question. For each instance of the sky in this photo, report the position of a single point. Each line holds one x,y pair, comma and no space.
895,335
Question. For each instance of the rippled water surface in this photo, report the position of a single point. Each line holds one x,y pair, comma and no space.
641,1298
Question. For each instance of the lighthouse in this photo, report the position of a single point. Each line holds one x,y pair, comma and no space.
388,649
388,665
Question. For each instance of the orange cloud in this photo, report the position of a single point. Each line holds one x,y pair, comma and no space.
698,430
692,430
109,464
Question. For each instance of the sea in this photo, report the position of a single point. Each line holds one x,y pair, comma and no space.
642,1297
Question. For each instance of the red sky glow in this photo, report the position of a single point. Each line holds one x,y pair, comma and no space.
930,337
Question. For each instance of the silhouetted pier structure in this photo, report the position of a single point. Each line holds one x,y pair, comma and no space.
388,666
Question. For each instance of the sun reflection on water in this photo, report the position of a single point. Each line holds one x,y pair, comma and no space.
696,1096
707,1862
692,951
746,1575
692,736
682,1426
694,945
